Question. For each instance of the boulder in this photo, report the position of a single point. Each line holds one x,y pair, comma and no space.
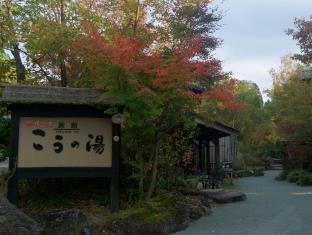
62,222
196,212
224,196
15,222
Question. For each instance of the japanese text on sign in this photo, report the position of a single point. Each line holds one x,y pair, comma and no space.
65,142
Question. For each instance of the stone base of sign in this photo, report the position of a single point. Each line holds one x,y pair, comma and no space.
15,222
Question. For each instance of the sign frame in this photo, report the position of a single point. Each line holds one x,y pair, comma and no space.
54,111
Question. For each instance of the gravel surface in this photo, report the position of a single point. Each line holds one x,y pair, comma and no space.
4,166
272,207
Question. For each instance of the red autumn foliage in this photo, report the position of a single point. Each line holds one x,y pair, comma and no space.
134,57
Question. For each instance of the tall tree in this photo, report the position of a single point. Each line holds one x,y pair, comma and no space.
9,35
292,103
303,35
149,60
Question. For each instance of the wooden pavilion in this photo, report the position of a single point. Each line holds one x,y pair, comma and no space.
215,145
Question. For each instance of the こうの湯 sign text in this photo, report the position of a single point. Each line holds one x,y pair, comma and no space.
64,142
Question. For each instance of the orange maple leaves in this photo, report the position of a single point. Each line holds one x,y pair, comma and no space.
151,70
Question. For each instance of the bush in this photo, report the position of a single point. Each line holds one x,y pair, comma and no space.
301,177
294,176
239,163
305,179
4,153
4,138
254,162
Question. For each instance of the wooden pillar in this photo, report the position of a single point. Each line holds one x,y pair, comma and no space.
200,154
205,158
115,168
208,157
12,180
217,152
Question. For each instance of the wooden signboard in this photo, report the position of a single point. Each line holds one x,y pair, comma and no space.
64,142
55,141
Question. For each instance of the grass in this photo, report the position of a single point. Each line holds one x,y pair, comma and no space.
153,211
228,186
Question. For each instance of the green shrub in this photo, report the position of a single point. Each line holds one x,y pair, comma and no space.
301,177
239,163
294,176
191,183
254,162
4,138
4,153
305,178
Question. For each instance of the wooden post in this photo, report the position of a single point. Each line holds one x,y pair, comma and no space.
208,157
12,181
115,168
217,152
200,154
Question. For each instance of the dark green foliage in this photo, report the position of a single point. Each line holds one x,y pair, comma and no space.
152,211
301,177
294,176
4,138
63,193
306,179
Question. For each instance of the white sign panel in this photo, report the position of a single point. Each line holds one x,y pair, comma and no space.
64,142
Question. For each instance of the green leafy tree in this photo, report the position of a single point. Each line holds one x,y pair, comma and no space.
7,69
292,102
10,37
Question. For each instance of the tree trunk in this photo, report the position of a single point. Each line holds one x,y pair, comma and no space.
154,170
20,68
141,180
63,73
62,57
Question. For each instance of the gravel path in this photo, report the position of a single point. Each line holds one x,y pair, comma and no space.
272,207
4,166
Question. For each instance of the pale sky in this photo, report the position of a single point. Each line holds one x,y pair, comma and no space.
254,39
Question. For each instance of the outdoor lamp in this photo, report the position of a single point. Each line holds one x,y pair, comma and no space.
118,118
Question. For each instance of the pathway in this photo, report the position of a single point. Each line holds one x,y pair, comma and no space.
272,207
4,166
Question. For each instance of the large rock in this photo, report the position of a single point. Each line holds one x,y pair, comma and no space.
15,222
62,222
224,196
197,206
229,196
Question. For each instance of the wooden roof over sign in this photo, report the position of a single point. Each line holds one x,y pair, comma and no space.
26,94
